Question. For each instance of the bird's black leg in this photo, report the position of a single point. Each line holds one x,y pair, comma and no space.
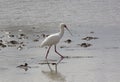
58,53
47,52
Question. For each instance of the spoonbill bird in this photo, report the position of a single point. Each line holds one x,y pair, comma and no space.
53,39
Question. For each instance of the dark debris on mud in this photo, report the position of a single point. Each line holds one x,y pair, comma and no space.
18,40
85,45
25,66
88,38
68,41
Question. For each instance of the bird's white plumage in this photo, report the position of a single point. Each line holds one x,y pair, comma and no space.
51,40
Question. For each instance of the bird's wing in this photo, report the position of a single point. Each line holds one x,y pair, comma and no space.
50,40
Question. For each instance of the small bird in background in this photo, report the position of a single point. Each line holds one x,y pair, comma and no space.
53,39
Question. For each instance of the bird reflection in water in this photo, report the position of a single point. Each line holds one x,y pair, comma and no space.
53,74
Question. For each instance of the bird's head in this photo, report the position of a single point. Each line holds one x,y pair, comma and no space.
65,26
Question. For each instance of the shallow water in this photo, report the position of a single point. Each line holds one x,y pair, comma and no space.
97,63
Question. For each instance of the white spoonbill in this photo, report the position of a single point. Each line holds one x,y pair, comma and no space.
53,39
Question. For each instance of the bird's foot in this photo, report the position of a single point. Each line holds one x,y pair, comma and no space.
62,57
65,57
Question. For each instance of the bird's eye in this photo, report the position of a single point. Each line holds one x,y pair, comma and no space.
65,26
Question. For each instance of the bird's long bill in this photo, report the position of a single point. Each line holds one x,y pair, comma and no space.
68,30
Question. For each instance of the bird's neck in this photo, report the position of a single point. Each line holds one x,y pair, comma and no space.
61,32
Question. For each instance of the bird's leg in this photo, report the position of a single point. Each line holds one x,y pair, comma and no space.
58,53
47,52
